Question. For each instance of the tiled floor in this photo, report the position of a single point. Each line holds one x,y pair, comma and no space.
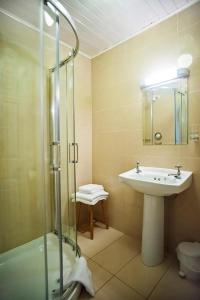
119,274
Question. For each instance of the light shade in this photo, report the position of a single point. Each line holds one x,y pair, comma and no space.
185,60
160,76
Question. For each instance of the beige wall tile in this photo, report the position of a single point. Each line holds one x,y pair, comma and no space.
189,40
117,123
21,214
188,17
83,118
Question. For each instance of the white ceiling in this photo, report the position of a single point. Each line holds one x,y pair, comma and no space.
101,24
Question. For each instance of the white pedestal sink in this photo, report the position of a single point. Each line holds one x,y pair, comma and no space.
155,183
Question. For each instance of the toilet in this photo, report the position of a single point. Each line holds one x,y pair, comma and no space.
189,257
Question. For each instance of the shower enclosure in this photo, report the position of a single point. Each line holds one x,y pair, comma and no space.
38,154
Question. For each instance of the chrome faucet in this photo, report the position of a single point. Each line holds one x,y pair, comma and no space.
137,167
178,174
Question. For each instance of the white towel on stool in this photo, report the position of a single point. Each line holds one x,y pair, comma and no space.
95,201
91,188
91,197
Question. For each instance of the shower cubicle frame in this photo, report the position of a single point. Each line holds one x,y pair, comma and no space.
58,9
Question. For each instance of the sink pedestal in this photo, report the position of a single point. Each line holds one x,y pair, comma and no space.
153,230
155,183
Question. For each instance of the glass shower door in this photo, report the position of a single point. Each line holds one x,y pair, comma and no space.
27,242
22,264
63,162
64,156
71,148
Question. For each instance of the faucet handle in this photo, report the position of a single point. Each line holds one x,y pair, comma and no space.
137,167
178,167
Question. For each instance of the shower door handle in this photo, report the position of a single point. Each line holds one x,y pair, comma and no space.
55,155
75,153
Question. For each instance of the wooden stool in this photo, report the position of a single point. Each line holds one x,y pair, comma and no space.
90,205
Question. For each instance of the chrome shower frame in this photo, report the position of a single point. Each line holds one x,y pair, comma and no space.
62,10
57,9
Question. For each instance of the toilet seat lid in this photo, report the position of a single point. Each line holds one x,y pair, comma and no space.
190,249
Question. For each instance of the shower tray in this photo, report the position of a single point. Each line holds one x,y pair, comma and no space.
22,268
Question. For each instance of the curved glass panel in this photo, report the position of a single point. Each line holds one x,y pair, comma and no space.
22,263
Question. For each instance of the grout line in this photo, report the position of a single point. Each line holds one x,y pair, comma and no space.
115,274
177,22
102,267
105,247
126,284
121,106
145,297
127,263
133,257
194,92
187,28
104,284
155,286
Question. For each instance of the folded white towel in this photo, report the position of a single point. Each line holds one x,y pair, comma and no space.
91,197
93,202
90,188
79,273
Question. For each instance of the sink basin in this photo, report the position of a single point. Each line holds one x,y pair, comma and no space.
155,183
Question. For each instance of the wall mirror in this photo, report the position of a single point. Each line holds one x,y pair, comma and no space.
165,113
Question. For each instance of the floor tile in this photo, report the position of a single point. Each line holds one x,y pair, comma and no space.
172,286
142,278
83,254
99,275
114,257
102,238
116,290
85,296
